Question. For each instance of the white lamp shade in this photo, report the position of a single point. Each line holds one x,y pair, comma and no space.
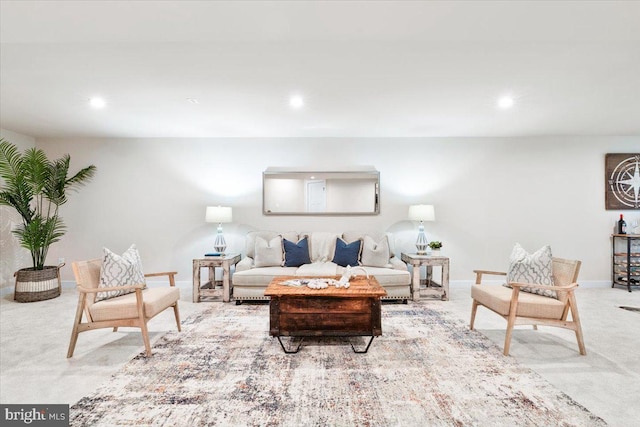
218,214
422,213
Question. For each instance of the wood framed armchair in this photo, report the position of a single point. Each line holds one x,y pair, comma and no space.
134,309
523,308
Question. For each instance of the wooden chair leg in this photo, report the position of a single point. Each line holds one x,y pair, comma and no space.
177,314
142,320
115,329
511,320
535,327
145,337
76,325
474,309
576,320
507,338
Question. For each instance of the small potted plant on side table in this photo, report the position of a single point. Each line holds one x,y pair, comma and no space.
435,247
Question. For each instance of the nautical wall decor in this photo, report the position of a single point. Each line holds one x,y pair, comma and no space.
622,181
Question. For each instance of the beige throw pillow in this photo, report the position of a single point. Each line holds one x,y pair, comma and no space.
268,253
375,254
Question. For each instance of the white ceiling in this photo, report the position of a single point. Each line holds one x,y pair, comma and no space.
364,68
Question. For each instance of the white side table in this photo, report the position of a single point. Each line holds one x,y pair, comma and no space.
209,288
432,288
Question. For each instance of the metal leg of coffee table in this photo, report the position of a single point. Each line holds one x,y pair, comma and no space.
291,351
362,351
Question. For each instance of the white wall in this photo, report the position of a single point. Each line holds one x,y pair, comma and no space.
12,256
488,193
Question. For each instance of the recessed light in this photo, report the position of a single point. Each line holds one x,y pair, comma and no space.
296,101
97,102
505,102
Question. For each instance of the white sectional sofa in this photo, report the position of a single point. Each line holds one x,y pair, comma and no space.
270,254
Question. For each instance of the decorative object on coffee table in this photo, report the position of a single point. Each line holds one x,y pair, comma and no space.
219,214
422,213
36,187
622,181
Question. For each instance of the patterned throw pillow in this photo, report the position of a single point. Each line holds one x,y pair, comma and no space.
532,268
296,254
268,253
375,254
120,270
347,253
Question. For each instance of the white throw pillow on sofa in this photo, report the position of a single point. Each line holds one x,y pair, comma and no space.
375,254
268,253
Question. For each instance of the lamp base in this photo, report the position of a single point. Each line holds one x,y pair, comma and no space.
421,243
220,244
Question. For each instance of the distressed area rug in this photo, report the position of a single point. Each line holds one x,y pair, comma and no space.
428,369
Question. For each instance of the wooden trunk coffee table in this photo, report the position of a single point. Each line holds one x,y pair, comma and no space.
331,312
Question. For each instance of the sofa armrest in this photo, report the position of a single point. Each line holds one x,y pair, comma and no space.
245,264
397,264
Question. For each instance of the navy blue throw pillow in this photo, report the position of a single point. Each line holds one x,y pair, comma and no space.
296,254
347,253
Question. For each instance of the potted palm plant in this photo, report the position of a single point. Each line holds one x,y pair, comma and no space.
36,187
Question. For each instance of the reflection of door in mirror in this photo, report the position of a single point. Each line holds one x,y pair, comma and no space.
312,192
316,195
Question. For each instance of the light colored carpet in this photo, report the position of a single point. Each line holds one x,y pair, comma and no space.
426,369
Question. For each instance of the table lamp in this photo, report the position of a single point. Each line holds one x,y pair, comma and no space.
422,213
219,214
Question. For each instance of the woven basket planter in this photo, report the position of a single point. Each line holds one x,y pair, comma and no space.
37,285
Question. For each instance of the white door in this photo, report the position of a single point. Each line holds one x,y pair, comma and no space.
316,196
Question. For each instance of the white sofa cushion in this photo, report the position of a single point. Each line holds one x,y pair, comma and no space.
327,268
385,276
261,276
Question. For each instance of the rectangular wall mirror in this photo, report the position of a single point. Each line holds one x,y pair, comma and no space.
298,192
